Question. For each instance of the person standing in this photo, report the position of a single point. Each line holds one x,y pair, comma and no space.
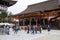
48,28
40,28
36,29
11,31
7,30
28,28
32,28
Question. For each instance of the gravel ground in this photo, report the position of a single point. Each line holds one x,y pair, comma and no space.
22,35
53,35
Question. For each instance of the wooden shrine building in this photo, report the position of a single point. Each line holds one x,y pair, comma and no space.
43,13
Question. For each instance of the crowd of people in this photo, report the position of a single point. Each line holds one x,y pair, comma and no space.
9,29
30,29
35,28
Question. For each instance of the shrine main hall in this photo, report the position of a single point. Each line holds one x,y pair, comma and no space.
44,13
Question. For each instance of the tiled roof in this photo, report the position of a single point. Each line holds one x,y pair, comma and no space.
44,6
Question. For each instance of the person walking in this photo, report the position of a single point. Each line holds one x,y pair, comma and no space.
16,28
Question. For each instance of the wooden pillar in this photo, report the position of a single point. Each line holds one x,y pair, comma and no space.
48,18
18,19
36,21
23,21
30,21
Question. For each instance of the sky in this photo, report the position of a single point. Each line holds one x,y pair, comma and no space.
22,5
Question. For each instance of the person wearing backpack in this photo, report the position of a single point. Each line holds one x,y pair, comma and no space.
16,28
